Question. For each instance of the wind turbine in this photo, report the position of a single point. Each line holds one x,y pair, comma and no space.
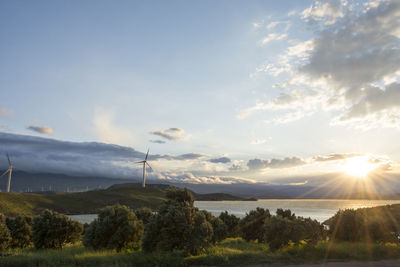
144,168
9,171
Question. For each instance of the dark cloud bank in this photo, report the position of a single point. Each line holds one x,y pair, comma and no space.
38,154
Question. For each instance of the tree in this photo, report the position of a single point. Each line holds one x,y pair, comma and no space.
285,214
285,227
345,225
220,230
231,222
116,227
178,225
144,214
5,236
370,225
252,225
53,230
21,231
277,231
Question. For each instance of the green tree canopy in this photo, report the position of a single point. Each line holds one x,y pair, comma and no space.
53,230
21,231
178,225
5,236
116,227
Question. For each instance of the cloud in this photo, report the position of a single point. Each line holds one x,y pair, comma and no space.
273,37
172,134
158,141
107,131
38,154
220,160
332,157
257,164
4,128
188,177
326,11
41,129
351,67
258,142
4,112
188,156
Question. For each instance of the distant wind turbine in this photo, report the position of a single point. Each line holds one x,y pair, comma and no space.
144,168
9,171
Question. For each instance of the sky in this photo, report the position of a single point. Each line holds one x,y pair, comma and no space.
219,91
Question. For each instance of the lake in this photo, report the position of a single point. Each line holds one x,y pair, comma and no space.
318,209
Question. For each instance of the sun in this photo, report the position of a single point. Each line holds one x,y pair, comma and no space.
358,167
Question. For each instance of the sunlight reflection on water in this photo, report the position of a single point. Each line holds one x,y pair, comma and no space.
319,209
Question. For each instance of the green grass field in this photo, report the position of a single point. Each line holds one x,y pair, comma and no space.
232,251
12,204
131,195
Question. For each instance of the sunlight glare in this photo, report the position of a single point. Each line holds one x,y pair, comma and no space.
358,167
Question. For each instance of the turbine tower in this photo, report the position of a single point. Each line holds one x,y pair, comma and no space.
9,171
144,168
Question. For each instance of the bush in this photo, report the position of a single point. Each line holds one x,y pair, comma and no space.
116,227
231,222
144,214
252,225
5,236
372,225
178,225
21,231
53,230
285,227
220,230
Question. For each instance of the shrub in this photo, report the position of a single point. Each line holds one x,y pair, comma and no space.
345,226
178,225
284,228
378,224
220,230
53,230
116,227
21,231
252,225
5,236
144,214
231,222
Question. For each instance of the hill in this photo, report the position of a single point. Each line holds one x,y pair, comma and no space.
132,195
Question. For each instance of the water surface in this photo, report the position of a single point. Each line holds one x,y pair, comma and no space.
318,209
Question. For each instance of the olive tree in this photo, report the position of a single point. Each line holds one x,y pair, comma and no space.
285,227
116,227
252,225
21,231
5,236
178,225
53,230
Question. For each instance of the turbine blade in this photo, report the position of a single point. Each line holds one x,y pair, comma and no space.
140,161
9,161
147,154
150,166
4,173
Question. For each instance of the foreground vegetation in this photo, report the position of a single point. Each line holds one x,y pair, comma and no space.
231,251
179,234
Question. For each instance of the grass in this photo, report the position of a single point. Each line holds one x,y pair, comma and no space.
12,204
132,195
230,252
